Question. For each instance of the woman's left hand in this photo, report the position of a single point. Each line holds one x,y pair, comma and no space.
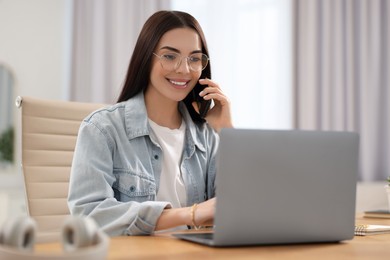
219,115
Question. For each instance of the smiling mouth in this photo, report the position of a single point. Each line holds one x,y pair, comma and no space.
179,84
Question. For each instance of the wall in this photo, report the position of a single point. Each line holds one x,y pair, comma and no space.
33,45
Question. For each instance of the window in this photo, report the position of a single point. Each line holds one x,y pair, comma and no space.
251,55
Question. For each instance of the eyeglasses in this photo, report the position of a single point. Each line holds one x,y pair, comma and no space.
171,61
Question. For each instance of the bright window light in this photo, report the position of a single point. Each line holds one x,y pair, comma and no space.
250,51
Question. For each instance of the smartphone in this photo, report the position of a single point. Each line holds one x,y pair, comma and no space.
203,105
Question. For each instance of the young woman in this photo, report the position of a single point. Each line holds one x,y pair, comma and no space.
147,163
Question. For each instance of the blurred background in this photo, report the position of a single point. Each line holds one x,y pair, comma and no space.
285,64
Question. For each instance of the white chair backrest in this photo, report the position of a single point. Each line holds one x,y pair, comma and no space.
49,133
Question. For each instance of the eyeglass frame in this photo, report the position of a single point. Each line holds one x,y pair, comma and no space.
181,59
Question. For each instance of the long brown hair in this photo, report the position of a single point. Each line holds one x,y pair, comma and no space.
138,73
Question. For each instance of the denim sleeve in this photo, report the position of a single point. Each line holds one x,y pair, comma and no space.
91,192
213,147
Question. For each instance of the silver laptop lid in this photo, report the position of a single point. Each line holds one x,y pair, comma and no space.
285,186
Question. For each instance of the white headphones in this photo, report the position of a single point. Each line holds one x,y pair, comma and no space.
81,239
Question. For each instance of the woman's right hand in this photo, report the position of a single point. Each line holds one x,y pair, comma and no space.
204,213
172,217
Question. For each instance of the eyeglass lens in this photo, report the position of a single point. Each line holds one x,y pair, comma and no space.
172,61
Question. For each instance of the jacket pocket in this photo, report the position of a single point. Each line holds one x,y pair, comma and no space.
133,187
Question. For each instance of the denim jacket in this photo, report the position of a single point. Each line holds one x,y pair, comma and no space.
116,168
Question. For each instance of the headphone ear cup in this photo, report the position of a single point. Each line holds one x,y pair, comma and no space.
19,233
79,232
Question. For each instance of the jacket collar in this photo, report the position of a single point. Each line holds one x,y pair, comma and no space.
136,121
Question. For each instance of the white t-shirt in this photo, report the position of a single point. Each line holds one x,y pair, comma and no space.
171,187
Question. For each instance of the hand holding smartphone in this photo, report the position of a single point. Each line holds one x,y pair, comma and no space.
203,105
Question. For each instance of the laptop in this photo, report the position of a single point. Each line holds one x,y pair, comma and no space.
283,187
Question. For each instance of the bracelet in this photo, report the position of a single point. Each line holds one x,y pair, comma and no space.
193,209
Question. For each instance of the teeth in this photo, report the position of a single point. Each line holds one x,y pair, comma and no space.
178,83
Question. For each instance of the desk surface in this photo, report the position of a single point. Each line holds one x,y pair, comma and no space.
164,246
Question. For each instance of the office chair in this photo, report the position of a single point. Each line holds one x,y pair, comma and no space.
49,132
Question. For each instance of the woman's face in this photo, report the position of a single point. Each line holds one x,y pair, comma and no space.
169,83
